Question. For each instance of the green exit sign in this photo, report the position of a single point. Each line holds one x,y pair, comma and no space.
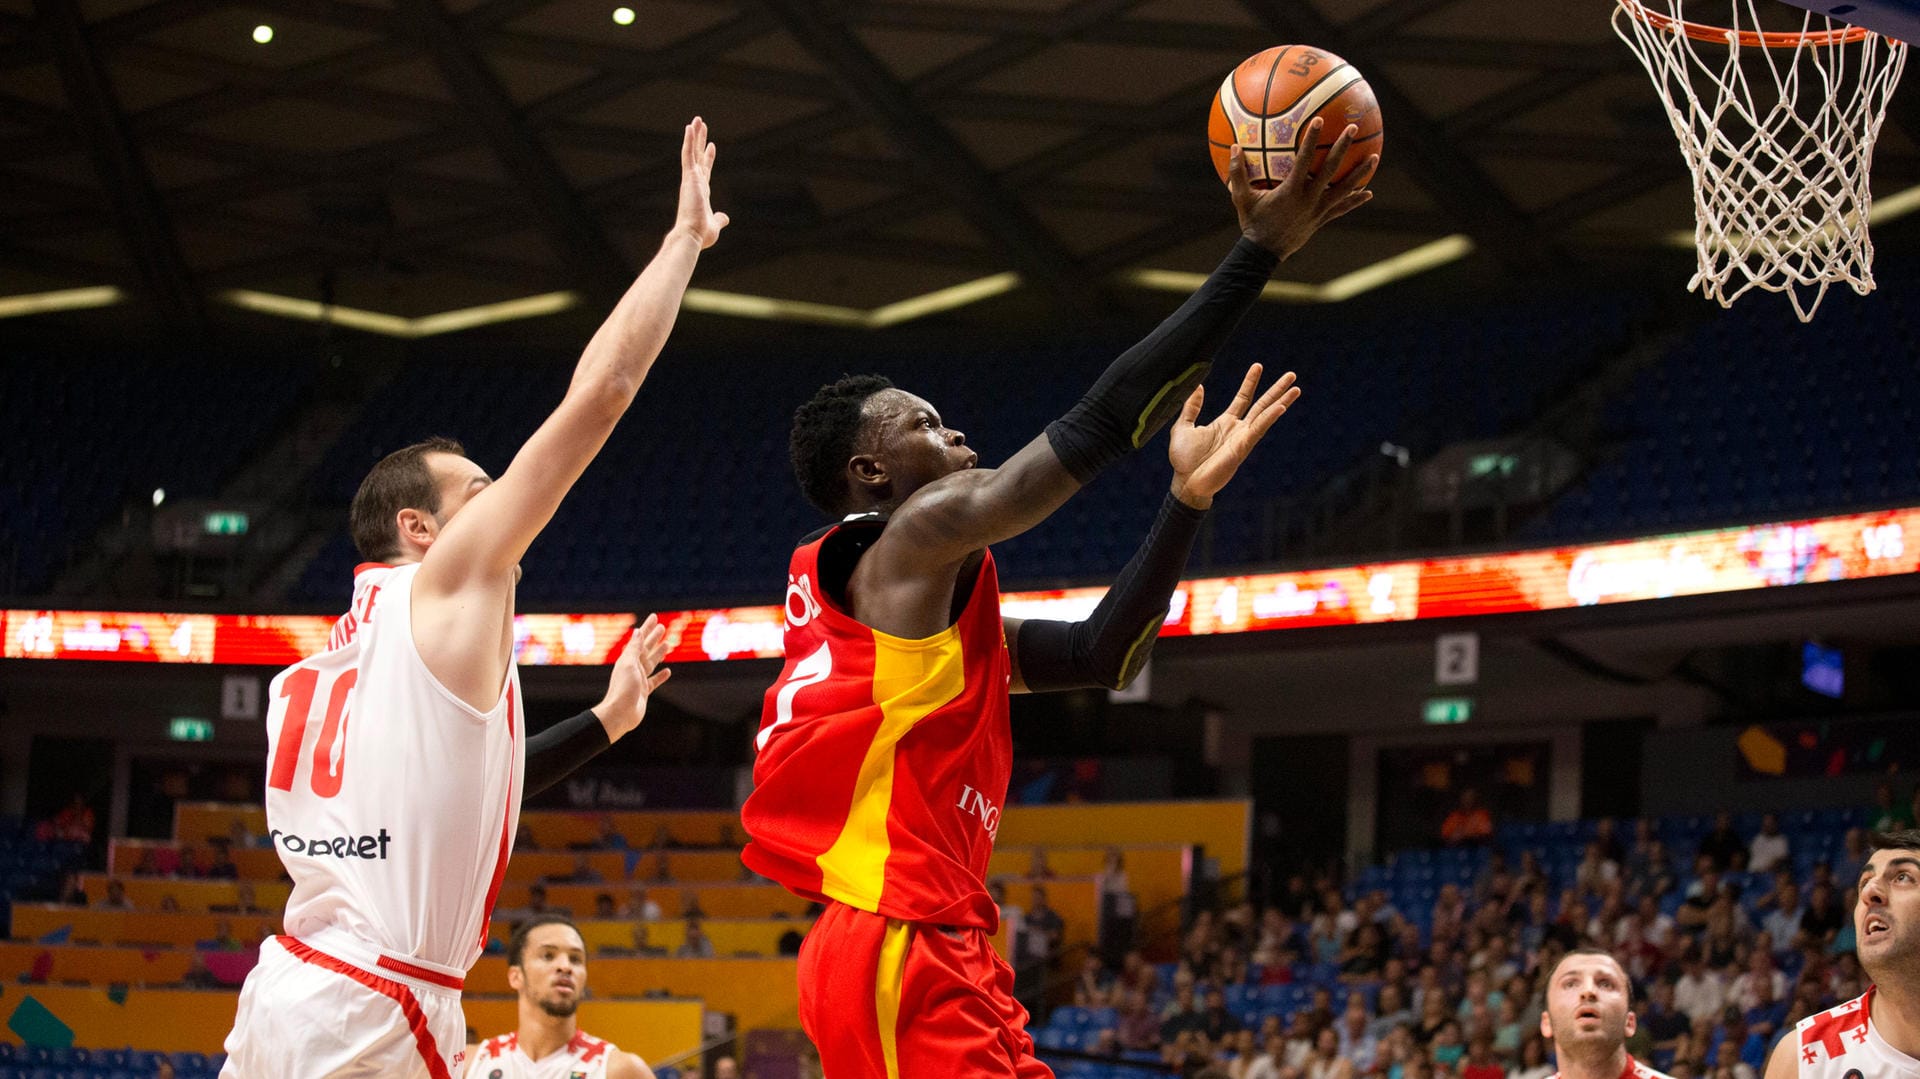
1441,710
189,729
225,524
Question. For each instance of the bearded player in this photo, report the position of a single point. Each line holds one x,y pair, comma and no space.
1877,1033
398,757
884,751
1589,1018
547,968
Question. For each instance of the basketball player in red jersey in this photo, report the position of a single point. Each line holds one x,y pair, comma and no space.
1589,1018
398,757
1876,1034
547,970
884,751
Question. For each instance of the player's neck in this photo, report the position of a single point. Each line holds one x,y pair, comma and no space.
542,1035
1896,1017
1593,1066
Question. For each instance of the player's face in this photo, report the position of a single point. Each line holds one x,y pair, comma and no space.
553,971
1587,1003
1886,918
908,438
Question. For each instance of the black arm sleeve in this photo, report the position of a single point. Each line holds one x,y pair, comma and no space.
1110,647
1145,387
557,752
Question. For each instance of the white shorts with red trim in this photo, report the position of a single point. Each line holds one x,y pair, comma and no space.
306,1013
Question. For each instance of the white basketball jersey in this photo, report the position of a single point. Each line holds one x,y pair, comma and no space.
1842,1042
1634,1070
585,1057
392,803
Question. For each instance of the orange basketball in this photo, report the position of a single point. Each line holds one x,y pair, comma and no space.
1267,101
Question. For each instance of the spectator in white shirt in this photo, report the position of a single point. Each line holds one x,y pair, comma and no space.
1768,850
1783,922
1699,994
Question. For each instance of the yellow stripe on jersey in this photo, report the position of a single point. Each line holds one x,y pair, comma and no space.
886,990
911,680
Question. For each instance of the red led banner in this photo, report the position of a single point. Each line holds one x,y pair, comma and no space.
1555,578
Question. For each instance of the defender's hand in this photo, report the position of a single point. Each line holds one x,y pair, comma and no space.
634,679
697,217
1205,458
1282,219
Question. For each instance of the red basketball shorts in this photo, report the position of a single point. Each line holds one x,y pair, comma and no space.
885,999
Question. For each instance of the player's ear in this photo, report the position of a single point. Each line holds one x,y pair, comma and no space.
517,979
867,471
415,526
1546,1020
1632,1022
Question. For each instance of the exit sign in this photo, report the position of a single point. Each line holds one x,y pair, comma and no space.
224,524
189,729
1444,710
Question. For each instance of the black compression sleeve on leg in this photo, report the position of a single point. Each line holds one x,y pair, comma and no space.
1110,647
557,752
1145,387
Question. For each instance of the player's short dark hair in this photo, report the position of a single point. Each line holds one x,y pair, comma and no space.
1588,949
517,944
825,430
400,481
1894,839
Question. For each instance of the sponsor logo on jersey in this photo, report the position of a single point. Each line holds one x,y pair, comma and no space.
339,846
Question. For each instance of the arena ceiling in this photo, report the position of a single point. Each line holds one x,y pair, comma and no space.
404,159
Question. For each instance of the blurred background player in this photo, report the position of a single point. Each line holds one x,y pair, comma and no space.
397,759
884,748
547,968
1878,1032
1589,1018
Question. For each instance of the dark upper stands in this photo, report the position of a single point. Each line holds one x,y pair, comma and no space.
83,437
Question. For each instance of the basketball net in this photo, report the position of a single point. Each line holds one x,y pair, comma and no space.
1778,131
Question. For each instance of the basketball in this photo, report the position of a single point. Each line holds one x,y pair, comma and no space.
1267,102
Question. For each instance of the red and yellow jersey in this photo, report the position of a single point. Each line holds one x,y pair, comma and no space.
882,762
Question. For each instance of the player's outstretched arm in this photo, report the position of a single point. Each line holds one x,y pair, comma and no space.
493,531
1142,389
1110,647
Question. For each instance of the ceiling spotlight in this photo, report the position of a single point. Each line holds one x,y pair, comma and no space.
159,496
623,16
262,34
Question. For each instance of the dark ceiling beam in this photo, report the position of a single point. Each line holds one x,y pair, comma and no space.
1621,187
1385,20
682,58
1009,49
110,31
940,158
123,172
1599,149
1496,109
263,81
1199,209
32,260
602,272
1455,182
1499,53
310,77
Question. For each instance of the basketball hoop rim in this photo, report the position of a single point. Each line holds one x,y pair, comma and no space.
1752,39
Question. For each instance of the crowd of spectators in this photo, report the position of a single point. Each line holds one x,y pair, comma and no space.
1731,937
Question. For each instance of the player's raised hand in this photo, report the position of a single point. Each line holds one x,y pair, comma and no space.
1283,218
636,674
1206,457
697,216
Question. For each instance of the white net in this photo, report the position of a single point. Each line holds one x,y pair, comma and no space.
1778,129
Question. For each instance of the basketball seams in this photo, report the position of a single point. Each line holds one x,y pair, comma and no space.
1266,96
